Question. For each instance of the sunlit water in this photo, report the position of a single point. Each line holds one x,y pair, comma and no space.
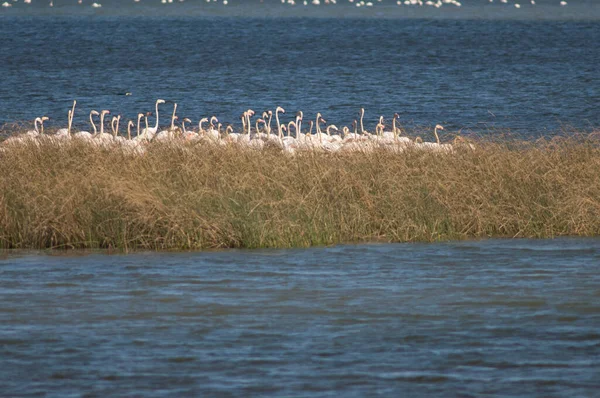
483,66
494,318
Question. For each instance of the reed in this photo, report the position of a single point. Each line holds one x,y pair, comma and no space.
182,197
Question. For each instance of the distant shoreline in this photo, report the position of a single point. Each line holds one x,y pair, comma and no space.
542,11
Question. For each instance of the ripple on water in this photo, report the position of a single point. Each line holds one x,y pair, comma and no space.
422,319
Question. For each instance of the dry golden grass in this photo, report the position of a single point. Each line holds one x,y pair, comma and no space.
73,195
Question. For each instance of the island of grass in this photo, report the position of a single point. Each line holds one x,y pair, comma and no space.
63,195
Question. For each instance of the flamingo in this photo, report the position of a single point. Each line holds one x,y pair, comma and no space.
166,135
139,117
85,135
42,120
362,115
268,125
130,124
212,133
249,113
299,117
114,125
66,133
188,135
435,146
279,130
104,137
35,132
437,127
149,133
354,135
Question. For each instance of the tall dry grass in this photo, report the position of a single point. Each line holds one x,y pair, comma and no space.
73,195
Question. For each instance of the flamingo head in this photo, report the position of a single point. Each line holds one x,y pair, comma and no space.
160,101
362,111
333,127
140,115
44,118
321,120
279,109
204,120
265,114
250,112
380,119
130,124
270,113
148,113
439,127
186,120
214,119
396,116
104,112
300,115
94,113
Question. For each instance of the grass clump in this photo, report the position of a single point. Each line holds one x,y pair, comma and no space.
180,197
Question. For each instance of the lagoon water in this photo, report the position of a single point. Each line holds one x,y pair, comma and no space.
494,318
491,318
482,67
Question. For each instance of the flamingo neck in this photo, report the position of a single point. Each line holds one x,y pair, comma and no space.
156,107
279,132
138,125
173,117
93,125
298,128
269,126
362,128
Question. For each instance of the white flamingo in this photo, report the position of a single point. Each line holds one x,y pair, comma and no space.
150,132
279,130
103,137
66,133
213,133
85,135
35,132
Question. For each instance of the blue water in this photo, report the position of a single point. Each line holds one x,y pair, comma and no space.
492,318
480,67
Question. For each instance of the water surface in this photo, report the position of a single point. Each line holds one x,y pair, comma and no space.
495,318
480,67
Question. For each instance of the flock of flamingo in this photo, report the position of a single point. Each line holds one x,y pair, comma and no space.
358,3
257,134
